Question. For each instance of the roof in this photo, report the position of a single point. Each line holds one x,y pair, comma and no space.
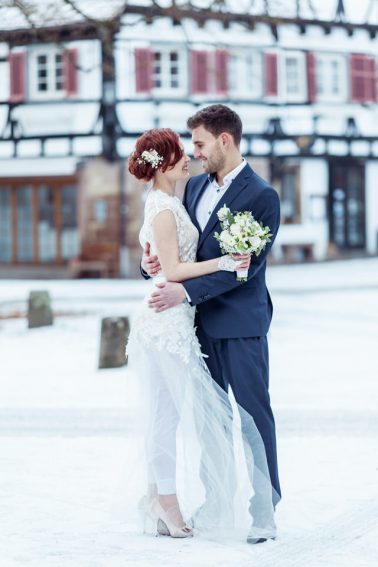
28,14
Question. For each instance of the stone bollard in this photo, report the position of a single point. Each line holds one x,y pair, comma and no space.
114,334
39,309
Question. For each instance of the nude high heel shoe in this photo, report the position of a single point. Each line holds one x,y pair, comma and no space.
165,526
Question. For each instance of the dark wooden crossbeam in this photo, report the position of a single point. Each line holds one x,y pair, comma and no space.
58,34
202,15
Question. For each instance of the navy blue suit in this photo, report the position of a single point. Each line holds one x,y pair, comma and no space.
232,317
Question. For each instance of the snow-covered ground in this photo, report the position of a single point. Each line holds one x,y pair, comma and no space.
65,428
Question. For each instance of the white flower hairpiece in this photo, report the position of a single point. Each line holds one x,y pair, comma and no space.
152,157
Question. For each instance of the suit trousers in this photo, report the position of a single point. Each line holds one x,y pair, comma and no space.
243,365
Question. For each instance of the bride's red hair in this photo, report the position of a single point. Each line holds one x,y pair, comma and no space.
165,142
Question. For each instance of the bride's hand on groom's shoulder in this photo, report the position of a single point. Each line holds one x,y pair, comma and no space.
150,264
168,294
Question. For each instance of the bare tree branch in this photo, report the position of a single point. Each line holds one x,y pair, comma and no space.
26,12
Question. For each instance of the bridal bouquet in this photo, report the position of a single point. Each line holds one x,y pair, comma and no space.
241,234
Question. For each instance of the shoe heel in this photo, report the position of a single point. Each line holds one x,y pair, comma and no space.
162,528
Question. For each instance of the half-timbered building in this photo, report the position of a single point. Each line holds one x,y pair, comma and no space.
79,85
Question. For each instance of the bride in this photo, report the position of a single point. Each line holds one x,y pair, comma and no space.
203,454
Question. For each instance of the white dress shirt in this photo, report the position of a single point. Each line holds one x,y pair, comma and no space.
213,194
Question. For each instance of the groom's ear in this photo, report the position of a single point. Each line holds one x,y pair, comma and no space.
226,139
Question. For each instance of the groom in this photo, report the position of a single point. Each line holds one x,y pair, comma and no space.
232,318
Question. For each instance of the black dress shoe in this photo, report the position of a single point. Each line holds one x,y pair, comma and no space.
254,540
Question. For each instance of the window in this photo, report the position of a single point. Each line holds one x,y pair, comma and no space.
69,234
294,77
46,224
5,224
167,70
24,224
160,71
286,179
38,221
47,78
50,72
53,73
245,74
330,78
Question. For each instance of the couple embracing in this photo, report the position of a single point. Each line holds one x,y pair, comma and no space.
199,341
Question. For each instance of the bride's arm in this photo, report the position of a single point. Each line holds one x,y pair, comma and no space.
165,235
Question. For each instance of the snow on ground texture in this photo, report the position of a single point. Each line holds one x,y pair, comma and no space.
65,428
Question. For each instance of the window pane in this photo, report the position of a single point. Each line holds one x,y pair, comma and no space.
292,78
59,72
174,70
24,224
69,234
289,201
42,60
157,74
5,225
335,78
46,226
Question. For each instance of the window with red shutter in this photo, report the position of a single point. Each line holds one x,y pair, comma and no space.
200,72
17,76
363,78
143,70
271,78
70,60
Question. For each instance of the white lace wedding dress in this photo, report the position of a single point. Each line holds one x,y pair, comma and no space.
196,441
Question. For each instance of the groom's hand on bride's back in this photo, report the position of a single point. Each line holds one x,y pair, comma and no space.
150,264
167,295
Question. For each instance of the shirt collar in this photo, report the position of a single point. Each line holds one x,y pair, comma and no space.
230,176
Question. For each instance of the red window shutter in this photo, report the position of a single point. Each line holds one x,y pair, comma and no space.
372,70
221,71
70,60
311,76
271,78
143,70
200,72
17,76
363,78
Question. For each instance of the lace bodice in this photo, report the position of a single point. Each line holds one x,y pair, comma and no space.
187,234
171,330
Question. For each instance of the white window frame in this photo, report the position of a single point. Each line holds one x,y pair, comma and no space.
242,61
182,64
51,92
301,94
328,96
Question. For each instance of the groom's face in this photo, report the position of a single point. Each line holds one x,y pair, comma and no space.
208,149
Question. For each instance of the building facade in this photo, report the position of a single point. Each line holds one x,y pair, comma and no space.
71,110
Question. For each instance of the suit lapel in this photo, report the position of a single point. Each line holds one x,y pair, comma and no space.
238,184
193,205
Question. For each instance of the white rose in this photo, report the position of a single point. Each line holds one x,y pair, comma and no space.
235,229
223,212
255,242
225,236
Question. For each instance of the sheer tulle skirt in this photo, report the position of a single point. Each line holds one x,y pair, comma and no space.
193,439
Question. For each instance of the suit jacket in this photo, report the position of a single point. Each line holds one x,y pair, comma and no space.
227,308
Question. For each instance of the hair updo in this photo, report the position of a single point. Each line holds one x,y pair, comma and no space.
166,144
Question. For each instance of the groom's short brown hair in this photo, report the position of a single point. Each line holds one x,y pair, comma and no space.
218,118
